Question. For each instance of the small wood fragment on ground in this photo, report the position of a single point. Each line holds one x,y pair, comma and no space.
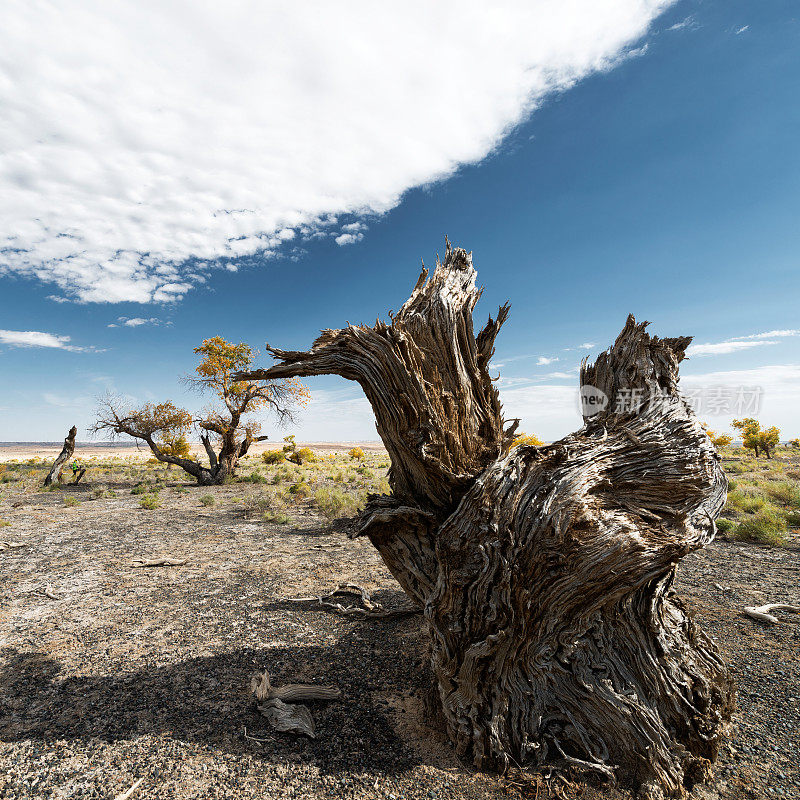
129,792
369,608
158,562
275,703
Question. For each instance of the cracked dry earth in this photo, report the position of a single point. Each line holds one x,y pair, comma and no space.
111,673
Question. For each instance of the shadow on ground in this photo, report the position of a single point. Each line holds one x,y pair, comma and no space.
206,701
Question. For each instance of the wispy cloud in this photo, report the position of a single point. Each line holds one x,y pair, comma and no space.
135,322
740,343
741,30
543,361
686,23
39,339
723,348
133,164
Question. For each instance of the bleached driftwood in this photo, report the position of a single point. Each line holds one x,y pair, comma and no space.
275,703
762,612
545,573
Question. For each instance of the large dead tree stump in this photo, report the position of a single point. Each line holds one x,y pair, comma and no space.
66,452
546,572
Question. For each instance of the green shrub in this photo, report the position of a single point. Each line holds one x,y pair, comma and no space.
746,503
272,456
150,501
785,493
725,525
207,500
141,488
764,527
276,517
335,503
300,489
253,477
70,501
4,523
793,518
10,477
735,468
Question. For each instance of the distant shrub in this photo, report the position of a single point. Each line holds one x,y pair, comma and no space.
335,503
150,502
307,455
140,488
526,440
253,477
735,468
276,517
71,501
764,527
725,525
207,500
356,453
272,456
4,523
300,489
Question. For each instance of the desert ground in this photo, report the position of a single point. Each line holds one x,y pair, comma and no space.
114,672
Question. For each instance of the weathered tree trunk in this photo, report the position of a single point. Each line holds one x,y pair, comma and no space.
66,452
545,572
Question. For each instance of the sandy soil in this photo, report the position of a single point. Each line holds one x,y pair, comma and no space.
112,673
21,451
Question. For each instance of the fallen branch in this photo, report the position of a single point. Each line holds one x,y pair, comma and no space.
126,794
762,612
158,562
274,703
371,609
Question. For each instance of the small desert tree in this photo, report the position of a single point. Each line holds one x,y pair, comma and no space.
719,440
755,438
227,431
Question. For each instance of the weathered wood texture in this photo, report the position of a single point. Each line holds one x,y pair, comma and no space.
66,452
545,572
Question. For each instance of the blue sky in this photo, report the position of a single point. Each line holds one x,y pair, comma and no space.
658,174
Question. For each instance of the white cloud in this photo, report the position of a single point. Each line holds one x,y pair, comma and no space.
348,238
741,30
543,361
136,322
37,339
141,145
740,343
723,348
772,334
587,345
